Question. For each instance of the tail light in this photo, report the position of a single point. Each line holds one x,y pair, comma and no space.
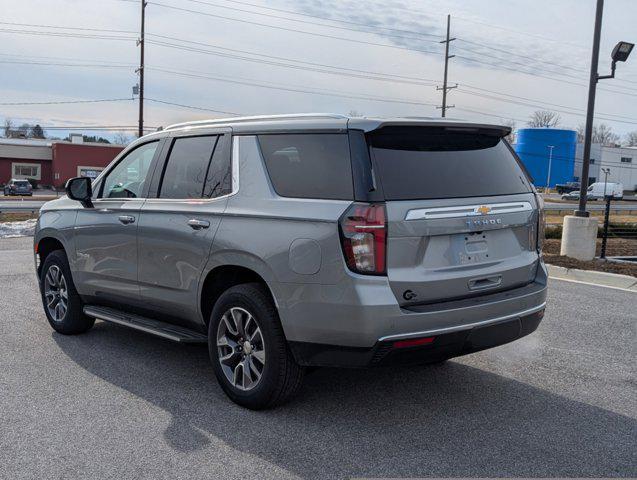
541,222
363,229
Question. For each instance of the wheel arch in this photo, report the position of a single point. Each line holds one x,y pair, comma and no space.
45,245
221,278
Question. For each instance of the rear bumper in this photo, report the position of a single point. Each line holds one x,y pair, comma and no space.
363,312
443,346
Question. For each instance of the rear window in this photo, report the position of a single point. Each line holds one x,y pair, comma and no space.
416,163
21,183
308,165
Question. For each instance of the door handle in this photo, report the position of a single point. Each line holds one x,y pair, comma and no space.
198,224
126,219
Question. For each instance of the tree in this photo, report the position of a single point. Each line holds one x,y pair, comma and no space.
89,139
511,136
24,129
121,138
37,132
631,139
8,127
544,118
602,133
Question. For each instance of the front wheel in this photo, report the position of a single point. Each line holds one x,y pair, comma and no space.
62,303
248,350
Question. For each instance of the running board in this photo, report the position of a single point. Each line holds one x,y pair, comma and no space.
144,324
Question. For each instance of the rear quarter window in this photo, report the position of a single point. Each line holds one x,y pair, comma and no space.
304,165
422,163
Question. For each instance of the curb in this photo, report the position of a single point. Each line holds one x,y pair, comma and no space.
604,279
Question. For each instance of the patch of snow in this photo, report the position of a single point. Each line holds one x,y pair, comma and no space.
24,228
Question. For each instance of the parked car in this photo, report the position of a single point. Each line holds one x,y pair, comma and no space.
597,190
575,196
567,187
293,241
18,187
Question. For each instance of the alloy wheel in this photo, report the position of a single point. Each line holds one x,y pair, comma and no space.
241,348
56,293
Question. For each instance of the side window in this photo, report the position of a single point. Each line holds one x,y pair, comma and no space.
187,166
219,178
126,179
309,165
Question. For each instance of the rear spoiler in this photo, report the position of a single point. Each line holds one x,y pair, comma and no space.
368,125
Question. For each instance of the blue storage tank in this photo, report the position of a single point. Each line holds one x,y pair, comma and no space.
534,146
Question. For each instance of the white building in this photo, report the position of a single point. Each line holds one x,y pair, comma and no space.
622,162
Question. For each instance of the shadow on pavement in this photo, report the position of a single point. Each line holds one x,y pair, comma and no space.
450,420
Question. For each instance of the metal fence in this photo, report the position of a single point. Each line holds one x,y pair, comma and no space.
618,239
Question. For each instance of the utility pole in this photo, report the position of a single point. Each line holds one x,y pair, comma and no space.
445,88
140,70
548,175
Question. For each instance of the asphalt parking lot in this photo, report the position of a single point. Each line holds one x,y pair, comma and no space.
114,403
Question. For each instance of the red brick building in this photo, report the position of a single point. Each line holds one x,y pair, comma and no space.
53,162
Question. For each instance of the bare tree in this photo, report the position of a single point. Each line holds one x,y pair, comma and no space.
631,139
544,118
24,130
121,138
8,127
580,133
511,136
602,133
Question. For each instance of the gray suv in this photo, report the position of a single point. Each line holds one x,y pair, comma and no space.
286,242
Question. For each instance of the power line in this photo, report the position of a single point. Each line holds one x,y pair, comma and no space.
520,32
70,59
315,23
526,104
526,65
90,65
199,12
193,107
314,67
65,34
67,28
536,100
289,88
329,19
61,102
502,67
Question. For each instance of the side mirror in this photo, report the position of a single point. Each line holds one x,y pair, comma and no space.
79,188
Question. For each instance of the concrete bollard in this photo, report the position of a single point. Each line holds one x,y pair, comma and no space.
578,237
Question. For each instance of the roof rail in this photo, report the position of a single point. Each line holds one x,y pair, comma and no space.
256,118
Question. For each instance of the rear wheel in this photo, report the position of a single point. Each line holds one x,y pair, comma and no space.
248,349
62,303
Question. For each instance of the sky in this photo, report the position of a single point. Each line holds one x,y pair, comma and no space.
216,58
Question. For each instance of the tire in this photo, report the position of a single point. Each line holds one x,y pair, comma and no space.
273,375
56,282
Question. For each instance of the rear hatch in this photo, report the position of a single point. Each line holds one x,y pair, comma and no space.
462,216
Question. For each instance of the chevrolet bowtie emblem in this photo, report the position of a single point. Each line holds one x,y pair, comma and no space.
483,210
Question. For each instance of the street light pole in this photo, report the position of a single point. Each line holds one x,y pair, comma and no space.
606,172
579,231
548,175
590,112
